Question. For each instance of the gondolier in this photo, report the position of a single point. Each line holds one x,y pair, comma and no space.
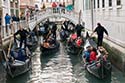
54,28
100,32
23,36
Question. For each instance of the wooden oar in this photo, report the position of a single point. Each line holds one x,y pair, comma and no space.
1,44
10,44
4,54
48,34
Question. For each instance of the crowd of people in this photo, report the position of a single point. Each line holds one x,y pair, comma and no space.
92,55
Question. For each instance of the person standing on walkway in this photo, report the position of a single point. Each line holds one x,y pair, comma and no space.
100,33
7,21
23,36
14,18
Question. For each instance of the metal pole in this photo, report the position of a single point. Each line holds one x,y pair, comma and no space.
92,16
79,21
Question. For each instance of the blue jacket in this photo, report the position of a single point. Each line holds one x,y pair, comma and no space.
86,54
7,19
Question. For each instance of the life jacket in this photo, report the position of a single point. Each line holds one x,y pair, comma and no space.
74,36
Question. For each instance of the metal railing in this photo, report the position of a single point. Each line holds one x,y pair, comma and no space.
7,31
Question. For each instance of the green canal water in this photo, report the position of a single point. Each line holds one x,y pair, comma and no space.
59,68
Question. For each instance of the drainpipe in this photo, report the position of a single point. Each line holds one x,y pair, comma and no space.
92,16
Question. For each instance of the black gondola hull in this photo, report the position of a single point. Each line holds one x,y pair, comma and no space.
53,49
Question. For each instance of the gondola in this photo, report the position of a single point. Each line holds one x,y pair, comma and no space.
101,68
100,72
73,49
51,49
32,40
14,65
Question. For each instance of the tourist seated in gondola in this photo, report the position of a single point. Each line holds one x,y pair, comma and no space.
93,55
86,56
19,54
64,34
79,42
51,41
73,36
72,39
46,44
103,51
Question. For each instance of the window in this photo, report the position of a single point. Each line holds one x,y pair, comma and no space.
17,12
11,4
103,3
98,4
12,11
87,4
110,3
118,2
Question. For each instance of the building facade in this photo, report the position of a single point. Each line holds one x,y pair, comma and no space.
25,3
14,7
110,13
49,2
4,8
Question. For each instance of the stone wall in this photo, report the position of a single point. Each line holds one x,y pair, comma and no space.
116,56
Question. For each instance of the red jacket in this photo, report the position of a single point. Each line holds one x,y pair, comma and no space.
93,56
74,36
79,42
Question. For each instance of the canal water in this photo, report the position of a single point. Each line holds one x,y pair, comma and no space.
59,68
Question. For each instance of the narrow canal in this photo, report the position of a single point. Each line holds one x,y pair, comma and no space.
59,68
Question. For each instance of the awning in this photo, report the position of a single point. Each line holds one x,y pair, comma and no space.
54,4
25,6
69,7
